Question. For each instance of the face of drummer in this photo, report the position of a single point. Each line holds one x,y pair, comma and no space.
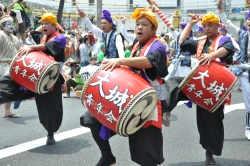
144,30
48,28
210,29
106,26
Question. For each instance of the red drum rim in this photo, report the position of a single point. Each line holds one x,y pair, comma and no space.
43,75
123,121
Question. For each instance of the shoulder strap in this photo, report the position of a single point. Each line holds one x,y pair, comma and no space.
21,6
200,47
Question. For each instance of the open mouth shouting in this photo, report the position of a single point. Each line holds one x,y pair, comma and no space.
139,34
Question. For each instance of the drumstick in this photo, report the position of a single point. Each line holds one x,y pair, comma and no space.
160,14
58,25
195,16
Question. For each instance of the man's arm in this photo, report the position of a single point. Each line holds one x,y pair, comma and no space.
234,30
119,46
186,32
95,30
17,1
26,5
12,4
129,37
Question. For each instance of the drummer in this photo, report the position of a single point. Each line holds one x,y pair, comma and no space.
49,105
210,125
243,71
8,50
147,59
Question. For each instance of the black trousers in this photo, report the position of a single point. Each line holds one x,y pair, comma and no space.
146,145
211,130
50,108
49,105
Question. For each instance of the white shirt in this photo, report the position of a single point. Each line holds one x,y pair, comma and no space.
129,37
86,71
98,33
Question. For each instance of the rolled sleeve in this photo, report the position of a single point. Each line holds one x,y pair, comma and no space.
228,45
189,45
54,47
158,60
61,40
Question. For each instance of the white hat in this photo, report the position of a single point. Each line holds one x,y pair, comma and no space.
67,36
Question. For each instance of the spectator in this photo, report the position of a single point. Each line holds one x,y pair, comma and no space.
167,39
73,79
100,56
69,30
85,51
86,71
74,25
29,40
63,26
128,50
97,46
69,49
22,6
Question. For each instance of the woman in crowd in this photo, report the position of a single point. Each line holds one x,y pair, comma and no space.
85,51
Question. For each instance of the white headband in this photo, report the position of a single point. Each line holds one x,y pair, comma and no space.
5,20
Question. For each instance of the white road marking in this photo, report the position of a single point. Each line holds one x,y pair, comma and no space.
230,108
75,132
41,142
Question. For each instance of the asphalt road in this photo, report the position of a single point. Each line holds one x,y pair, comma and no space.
22,140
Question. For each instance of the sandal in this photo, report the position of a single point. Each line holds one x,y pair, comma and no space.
12,116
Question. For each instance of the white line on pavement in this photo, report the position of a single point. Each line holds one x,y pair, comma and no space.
41,142
230,108
75,132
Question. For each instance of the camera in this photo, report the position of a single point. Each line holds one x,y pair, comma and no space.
74,65
20,0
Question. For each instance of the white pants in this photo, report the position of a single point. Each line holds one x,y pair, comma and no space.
4,69
182,71
245,84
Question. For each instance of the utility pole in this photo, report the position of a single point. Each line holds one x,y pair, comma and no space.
99,13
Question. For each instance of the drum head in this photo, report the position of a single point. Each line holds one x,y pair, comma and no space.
137,112
48,78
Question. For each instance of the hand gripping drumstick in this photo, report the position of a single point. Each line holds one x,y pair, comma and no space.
195,16
58,25
160,14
